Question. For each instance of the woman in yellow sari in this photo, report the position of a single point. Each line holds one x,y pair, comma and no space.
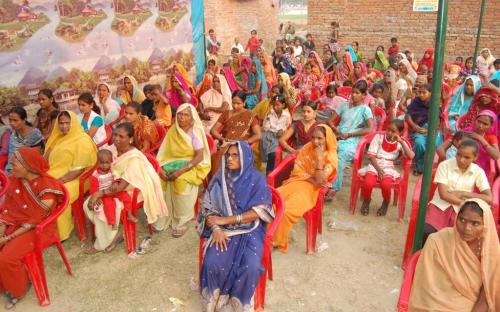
70,152
315,165
130,84
184,157
458,269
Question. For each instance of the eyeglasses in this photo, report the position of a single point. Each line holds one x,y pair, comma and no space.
232,155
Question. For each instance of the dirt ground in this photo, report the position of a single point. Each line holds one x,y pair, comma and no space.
359,270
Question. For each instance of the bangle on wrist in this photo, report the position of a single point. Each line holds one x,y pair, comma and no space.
215,227
239,218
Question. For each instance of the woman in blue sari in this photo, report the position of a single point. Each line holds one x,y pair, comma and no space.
461,100
256,85
233,220
356,121
351,51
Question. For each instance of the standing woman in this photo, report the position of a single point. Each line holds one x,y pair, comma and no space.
47,113
70,152
145,133
23,134
89,118
236,225
33,195
485,63
238,124
132,88
185,159
110,109
256,89
381,62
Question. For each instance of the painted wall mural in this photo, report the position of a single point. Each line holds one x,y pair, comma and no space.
70,46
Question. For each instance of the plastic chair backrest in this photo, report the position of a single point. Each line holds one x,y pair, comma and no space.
109,136
344,91
379,112
4,183
404,294
120,117
3,161
282,172
162,132
50,219
279,212
496,204
211,145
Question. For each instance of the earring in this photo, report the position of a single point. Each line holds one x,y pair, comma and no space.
131,141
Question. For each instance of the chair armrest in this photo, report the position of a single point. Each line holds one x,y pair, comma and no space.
288,161
57,212
279,213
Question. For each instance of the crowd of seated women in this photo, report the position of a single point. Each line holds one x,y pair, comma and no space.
248,107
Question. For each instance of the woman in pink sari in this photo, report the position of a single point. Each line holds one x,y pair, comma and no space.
359,72
343,70
178,89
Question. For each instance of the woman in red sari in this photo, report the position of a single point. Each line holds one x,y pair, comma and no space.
485,98
31,198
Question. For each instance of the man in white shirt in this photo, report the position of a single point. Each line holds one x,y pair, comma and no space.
237,45
456,180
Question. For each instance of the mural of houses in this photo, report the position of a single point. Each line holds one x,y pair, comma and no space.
104,75
32,91
67,98
89,12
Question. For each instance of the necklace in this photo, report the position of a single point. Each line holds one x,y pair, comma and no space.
478,248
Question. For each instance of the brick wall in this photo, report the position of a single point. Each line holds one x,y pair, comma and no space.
236,18
372,23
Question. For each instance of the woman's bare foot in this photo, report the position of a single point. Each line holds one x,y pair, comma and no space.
180,231
116,240
90,250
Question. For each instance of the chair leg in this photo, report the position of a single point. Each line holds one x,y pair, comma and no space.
129,229
354,196
79,219
36,273
63,256
310,234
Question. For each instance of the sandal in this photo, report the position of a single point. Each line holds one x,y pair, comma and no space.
365,207
179,232
11,301
383,208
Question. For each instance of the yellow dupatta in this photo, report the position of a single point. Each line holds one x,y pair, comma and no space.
177,67
305,163
449,276
135,168
177,145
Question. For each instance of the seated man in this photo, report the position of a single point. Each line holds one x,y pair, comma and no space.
456,179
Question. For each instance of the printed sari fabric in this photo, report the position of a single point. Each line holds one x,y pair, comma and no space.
236,127
449,276
72,151
173,95
33,139
298,193
24,208
343,70
228,279
145,131
477,106
178,145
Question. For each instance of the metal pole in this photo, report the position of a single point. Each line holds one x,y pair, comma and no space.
430,147
478,36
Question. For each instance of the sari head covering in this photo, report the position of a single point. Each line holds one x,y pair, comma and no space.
381,62
351,51
364,72
403,56
474,109
268,68
343,70
175,98
319,62
230,194
483,64
177,145
261,77
112,105
458,105
428,62
412,74
305,165
449,276
137,94
179,68
213,98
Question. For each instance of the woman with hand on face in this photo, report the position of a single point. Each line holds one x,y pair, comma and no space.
235,227
184,157
110,109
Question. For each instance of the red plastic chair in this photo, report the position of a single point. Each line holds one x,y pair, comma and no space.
3,161
34,260
109,136
77,206
400,185
404,294
496,204
297,104
379,112
162,132
129,227
314,217
4,183
344,91
412,226
267,263
120,117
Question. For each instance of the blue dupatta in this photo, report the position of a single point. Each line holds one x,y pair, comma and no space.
353,54
458,104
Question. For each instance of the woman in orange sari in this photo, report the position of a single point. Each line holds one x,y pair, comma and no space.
238,124
145,133
32,197
458,269
315,165
267,66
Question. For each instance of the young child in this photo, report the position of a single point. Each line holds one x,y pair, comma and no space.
161,107
103,179
253,43
394,48
275,123
377,91
456,179
450,146
383,151
331,101
148,103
